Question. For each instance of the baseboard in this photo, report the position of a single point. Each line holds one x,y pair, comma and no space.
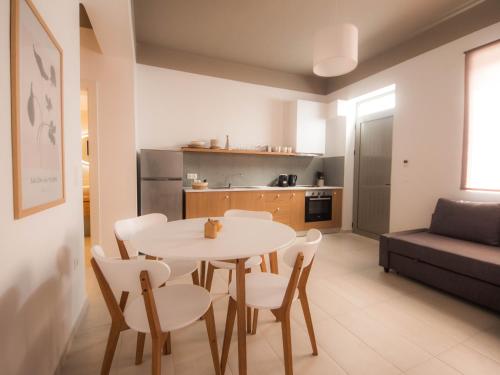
77,324
302,233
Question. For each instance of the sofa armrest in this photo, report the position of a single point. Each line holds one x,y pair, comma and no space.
384,259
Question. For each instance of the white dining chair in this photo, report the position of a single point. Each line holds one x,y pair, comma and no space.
155,310
277,293
127,228
251,262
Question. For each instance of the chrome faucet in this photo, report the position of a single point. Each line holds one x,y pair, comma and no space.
228,179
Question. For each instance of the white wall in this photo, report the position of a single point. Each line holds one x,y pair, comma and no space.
112,72
116,139
42,281
335,134
428,129
175,107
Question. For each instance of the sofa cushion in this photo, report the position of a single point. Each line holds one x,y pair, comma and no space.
478,222
467,258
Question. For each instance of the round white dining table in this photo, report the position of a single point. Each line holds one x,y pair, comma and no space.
238,240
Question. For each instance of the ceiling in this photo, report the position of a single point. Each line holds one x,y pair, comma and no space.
278,34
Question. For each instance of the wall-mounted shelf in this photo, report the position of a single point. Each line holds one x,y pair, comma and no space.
241,152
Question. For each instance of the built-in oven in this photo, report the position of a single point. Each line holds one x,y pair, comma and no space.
318,205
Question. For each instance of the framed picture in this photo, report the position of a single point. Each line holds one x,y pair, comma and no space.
37,112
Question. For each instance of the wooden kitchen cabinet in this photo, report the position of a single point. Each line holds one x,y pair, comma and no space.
287,206
297,203
248,200
278,204
207,204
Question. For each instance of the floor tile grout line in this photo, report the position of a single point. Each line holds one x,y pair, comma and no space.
422,321
404,336
375,350
479,352
318,343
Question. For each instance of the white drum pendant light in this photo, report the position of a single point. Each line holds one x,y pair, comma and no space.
336,50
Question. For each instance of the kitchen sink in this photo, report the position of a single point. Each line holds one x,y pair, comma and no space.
234,187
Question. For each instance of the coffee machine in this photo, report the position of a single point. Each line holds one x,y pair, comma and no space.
283,180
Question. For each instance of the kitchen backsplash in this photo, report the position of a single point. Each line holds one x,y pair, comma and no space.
221,169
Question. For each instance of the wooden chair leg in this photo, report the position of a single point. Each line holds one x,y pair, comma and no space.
249,320
212,338
273,262
307,316
287,344
167,345
255,319
231,314
114,334
241,312
123,300
156,357
230,277
210,276
139,351
263,266
196,277
249,311
202,272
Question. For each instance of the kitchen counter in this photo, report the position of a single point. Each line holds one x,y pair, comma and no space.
288,205
261,188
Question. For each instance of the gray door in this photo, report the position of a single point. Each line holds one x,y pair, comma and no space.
372,175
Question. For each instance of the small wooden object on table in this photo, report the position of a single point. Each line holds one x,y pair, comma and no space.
212,227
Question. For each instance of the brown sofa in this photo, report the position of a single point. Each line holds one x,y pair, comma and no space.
459,253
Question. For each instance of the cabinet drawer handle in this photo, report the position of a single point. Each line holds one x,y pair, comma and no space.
277,210
277,196
262,196
227,197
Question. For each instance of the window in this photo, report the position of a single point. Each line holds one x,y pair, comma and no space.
481,155
377,104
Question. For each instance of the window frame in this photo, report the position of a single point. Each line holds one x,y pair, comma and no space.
465,146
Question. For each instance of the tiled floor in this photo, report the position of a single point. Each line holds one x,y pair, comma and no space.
367,322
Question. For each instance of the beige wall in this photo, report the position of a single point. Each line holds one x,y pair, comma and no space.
114,78
41,279
428,130
174,108
112,75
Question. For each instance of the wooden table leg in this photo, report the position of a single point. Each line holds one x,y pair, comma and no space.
241,311
203,268
273,262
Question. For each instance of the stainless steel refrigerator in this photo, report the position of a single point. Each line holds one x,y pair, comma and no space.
160,183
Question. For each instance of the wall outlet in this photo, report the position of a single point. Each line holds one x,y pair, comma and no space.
192,176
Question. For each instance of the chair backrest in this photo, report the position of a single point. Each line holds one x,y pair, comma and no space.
123,275
299,257
307,248
127,228
264,215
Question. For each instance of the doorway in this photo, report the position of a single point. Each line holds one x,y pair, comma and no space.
89,166
85,165
372,174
